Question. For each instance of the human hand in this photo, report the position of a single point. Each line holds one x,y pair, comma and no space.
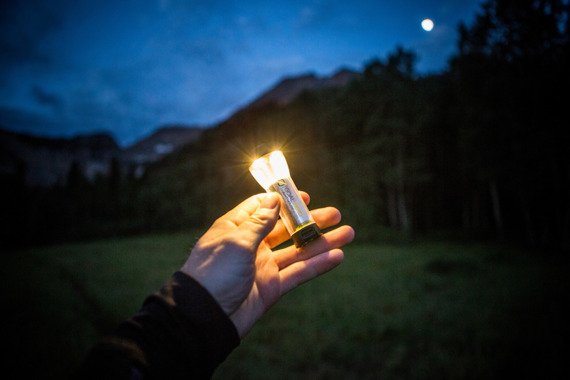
234,260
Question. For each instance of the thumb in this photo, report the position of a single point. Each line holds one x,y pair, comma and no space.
262,221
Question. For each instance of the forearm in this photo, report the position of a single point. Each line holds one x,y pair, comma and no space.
179,332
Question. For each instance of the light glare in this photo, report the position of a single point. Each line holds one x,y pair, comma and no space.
268,169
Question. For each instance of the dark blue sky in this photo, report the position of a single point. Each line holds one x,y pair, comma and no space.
73,67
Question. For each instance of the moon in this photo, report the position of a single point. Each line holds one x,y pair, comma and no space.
427,24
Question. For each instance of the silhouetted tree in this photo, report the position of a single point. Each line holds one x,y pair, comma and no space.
512,63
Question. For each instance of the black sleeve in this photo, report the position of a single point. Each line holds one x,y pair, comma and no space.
179,332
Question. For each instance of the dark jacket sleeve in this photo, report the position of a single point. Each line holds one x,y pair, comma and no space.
179,332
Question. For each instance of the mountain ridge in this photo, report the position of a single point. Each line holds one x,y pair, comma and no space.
47,161
288,88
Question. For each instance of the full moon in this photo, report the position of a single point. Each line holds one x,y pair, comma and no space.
427,24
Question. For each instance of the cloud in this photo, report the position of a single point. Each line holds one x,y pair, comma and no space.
24,25
47,99
317,14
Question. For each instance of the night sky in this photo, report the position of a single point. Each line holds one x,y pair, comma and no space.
127,67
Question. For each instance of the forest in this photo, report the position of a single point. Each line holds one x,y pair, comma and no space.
479,151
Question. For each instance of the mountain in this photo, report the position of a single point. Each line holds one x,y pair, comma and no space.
289,88
160,143
46,161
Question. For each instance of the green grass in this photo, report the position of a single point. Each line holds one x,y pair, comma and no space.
424,310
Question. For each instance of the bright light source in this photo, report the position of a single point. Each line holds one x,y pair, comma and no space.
272,173
427,25
269,168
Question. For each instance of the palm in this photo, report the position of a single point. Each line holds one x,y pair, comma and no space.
266,287
247,283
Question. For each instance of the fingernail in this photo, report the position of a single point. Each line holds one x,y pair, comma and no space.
269,201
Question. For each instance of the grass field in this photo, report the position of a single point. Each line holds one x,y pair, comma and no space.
422,310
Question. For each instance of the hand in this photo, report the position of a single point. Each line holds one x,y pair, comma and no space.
233,260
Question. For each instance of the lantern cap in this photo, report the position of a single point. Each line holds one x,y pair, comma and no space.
305,235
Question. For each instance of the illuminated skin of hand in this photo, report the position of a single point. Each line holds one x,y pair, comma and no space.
234,260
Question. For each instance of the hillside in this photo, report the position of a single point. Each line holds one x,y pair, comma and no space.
46,162
286,90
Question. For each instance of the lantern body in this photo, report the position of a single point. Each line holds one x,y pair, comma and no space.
272,173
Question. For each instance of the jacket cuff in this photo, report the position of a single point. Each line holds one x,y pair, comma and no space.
200,308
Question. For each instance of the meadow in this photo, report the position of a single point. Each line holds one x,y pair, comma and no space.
430,309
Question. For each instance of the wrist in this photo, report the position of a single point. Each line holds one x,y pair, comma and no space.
249,312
